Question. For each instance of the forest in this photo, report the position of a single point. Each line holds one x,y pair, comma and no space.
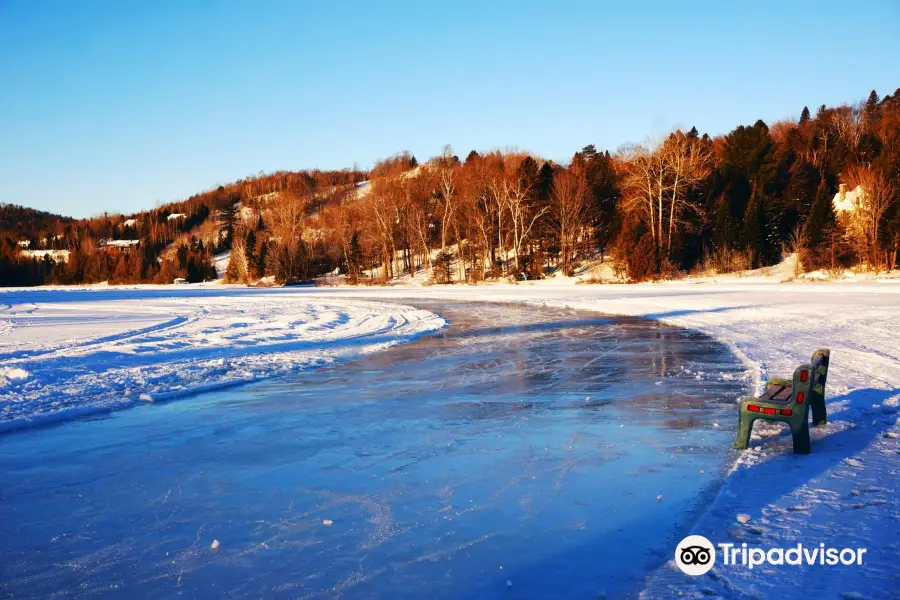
682,203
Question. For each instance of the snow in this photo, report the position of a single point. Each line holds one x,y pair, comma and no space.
851,201
246,214
174,216
10,374
363,189
57,255
120,243
130,223
68,352
220,262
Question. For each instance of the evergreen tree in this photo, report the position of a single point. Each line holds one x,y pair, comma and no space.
756,228
872,104
528,172
261,260
194,270
354,258
820,220
724,227
604,193
229,216
873,100
545,182
182,254
250,249
804,116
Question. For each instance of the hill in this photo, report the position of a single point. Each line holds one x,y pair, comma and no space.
29,223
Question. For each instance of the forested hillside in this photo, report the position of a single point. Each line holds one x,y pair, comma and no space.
176,240
681,203
29,223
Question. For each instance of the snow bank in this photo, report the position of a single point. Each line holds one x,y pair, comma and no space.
78,351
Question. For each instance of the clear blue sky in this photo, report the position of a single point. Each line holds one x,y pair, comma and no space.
120,105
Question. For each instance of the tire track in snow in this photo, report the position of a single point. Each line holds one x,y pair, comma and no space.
214,342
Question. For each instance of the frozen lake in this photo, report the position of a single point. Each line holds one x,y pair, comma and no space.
522,444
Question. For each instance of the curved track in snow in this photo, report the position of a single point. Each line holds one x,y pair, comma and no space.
68,352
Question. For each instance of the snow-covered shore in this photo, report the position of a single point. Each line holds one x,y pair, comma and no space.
67,352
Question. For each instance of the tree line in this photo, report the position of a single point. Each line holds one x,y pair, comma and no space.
683,202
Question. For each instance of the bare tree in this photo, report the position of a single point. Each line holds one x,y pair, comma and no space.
238,270
522,213
382,204
345,231
569,209
419,193
657,182
448,206
643,187
286,220
499,187
877,195
850,123
687,162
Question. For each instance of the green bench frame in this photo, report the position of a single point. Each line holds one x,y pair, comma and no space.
789,401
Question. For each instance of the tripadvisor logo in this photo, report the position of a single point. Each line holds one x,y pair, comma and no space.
695,555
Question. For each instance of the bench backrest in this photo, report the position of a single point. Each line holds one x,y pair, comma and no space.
819,364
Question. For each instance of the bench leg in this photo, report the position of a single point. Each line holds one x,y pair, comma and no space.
745,425
800,433
817,405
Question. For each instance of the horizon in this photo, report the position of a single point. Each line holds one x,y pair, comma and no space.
133,106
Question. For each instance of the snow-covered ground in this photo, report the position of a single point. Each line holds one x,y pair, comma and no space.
67,352
842,495
220,262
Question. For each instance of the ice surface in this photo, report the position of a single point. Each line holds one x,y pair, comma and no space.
489,453
774,327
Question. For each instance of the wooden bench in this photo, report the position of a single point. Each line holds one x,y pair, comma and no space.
789,401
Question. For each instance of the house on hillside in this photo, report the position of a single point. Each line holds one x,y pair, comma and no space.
55,255
849,201
122,245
